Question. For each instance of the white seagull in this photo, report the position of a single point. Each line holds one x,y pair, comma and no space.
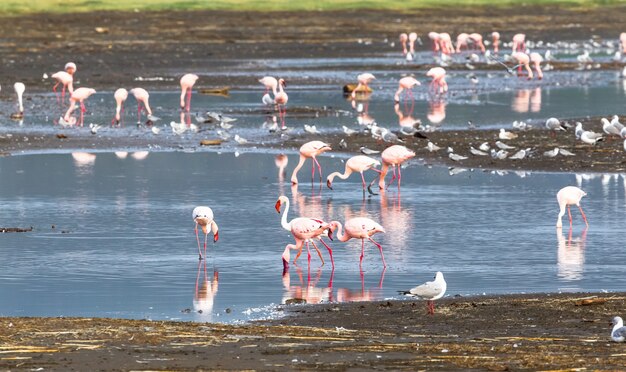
456,157
554,124
504,146
618,333
504,135
590,137
430,291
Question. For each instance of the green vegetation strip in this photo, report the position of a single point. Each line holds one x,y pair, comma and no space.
12,7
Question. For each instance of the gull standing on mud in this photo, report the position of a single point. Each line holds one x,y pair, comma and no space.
310,150
618,333
554,124
569,195
430,291
504,135
120,96
358,164
359,228
203,216
19,90
186,86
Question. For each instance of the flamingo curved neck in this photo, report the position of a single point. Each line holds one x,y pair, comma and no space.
383,173
343,176
295,171
283,221
340,234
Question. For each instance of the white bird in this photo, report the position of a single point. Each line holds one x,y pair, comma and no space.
608,128
311,129
521,125
615,122
156,130
456,157
591,137
267,99
225,125
94,128
178,128
565,152
19,89
504,135
432,147
618,333
348,131
501,154
240,140
551,153
153,118
484,146
409,57
367,151
504,146
430,291
477,152
521,154
579,129
584,58
554,124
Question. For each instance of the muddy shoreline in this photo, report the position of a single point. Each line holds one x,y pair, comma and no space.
533,331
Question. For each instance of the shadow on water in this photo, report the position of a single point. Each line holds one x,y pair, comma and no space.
113,235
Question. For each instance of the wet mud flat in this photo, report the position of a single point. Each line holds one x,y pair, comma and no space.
540,331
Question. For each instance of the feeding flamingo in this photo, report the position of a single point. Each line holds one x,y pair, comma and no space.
477,40
203,216
434,40
569,195
310,150
536,59
462,40
394,156
79,95
412,39
445,43
66,78
359,164
142,97
495,36
523,60
438,84
519,43
186,86
359,228
270,83
120,96
364,80
403,39
304,230
406,83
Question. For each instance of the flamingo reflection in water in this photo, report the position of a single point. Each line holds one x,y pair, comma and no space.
571,255
370,294
205,292
309,293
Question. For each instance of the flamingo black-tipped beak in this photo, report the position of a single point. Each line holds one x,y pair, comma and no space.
284,83
329,184
330,234
216,236
369,189
285,266
277,206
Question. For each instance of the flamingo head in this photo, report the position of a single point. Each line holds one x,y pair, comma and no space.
329,183
282,199
216,237
282,82
70,68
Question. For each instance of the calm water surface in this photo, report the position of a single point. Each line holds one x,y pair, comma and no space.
129,249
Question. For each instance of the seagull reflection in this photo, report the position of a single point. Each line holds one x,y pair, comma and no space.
309,292
205,292
373,294
570,255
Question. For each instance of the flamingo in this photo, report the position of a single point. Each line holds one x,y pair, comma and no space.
359,228
523,60
66,78
461,41
142,97
79,95
569,195
434,39
438,84
310,150
495,36
477,39
360,164
403,39
120,96
622,40
412,39
519,43
304,230
186,86
280,99
394,156
536,59
406,83
445,43
203,216
270,83
431,291
19,90
364,80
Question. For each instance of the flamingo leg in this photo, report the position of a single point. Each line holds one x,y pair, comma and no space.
312,170
138,112
319,167
569,213
584,217
399,176
362,252
393,175
299,246
319,253
188,107
330,252
63,94
205,238
82,113
380,248
198,240
363,181
308,251
54,89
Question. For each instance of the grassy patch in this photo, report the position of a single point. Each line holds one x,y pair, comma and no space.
8,7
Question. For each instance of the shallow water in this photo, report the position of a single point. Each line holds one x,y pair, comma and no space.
129,249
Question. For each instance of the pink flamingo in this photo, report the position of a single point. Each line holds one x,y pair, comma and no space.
120,96
495,36
310,150
622,40
359,164
79,95
280,99
445,43
412,39
66,78
203,216
406,83
393,156
304,230
403,39
462,41
477,39
359,228
438,84
519,43
186,86
434,40
523,60
270,83
569,195
364,80
536,59
142,97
